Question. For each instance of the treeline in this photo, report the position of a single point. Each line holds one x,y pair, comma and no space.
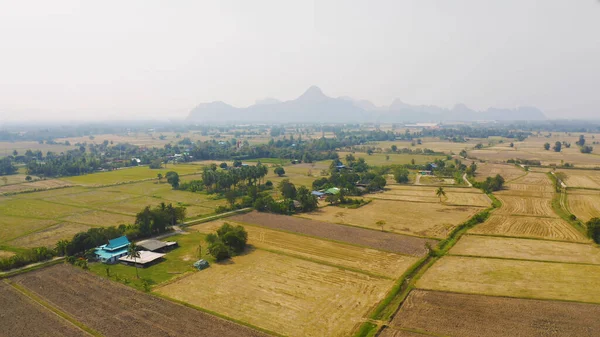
7,167
32,255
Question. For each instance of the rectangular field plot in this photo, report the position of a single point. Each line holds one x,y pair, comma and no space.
526,249
48,237
513,278
448,314
422,219
128,174
515,205
37,208
507,171
454,196
12,227
90,198
20,316
35,185
584,204
343,255
99,218
378,240
582,178
284,294
113,309
529,227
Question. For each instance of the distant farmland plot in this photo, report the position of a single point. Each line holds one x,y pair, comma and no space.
12,227
512,248
487,316
532,227
422,219
129,174
100,219
34,185
379,159
507,171
343,255
454,196
513,278
284,294
113,309
584,204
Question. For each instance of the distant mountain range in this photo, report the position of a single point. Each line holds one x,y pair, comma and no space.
315,107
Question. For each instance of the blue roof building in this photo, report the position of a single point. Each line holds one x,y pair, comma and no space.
113,250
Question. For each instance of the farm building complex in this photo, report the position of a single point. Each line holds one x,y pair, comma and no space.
113,250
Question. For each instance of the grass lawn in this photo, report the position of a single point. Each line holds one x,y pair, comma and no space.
176,263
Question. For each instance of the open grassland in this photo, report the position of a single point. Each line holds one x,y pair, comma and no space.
413,218
527,249
332,253
12,227
298,174
582,178
130,174
529,227
116,310
20,316
378,240
381,159
280,293
507,171
514,278
447,314
584,204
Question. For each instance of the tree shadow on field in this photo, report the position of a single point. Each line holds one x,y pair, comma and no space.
249,249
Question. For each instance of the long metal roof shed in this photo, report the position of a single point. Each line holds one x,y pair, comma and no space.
154,245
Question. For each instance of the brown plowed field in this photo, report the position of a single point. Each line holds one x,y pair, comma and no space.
532,227
116,310
369,238
449,314
21,316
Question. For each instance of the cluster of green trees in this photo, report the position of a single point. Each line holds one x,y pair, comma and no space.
352,183
294,200
228,241
221,180
593,229
490,184
26,257
7,167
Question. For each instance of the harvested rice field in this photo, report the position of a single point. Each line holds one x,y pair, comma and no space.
526,249
280,293
530,206
49,236
529,227
448,314
585,204
514,278
34,186
20,316
333,253
582,178
113,309
507,171
401,244
412,218
454,196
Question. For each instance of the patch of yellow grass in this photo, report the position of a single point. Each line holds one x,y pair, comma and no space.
532,227
584,204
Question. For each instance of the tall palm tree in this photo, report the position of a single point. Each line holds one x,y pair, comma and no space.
440,193
132,253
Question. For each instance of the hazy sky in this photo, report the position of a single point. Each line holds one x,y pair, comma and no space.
147,59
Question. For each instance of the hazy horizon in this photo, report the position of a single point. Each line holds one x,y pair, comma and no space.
73,60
